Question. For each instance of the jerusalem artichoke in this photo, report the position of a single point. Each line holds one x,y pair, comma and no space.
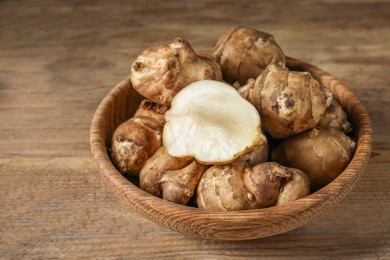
173,179
295,187
135,140
322,153
210,121
244,53
161,71
289,102
335,117
238,186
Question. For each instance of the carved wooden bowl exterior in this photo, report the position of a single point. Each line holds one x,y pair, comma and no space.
121,103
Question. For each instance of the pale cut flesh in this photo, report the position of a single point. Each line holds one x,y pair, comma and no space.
210,121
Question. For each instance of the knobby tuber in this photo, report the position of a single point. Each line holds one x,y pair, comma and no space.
289,102
295,187
135,140
161,71
335,117
244,53
170,178
322,153
238,186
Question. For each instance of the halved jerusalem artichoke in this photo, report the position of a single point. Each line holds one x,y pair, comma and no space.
210,121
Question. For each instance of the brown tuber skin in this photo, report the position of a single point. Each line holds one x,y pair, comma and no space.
295,187
137,139
244,53
238,186
335,117
322,153
259,155
289,102
161,71
221,188
170,178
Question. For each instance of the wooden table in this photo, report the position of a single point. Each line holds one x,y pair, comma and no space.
58,59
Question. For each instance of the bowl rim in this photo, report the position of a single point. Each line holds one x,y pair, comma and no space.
244,224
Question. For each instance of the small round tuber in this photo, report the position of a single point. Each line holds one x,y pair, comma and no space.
210,121
161,71
321,153
135,140
170,178
289,102
244,53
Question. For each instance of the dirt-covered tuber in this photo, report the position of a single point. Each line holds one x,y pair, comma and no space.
322,153
289,102
210,121
161,71
238,186
170,178
137,139
244,53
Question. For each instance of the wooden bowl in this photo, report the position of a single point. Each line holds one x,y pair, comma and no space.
121,103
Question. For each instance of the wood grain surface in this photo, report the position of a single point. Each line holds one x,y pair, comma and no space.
58,59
